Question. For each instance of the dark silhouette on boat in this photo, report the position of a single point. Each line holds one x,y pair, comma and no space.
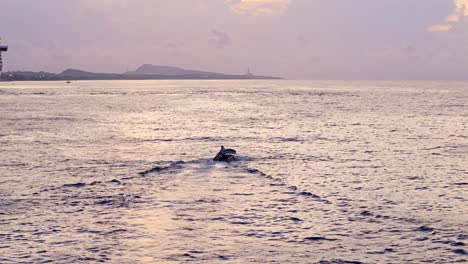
225,155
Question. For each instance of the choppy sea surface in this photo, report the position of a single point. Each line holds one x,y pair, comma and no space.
327,172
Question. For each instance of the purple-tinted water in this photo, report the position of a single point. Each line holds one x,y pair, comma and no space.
327,172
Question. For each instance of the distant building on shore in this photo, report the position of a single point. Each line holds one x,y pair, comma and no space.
3,48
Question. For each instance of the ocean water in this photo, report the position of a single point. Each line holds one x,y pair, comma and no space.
327,172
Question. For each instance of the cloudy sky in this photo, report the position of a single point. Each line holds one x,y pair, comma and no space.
305,39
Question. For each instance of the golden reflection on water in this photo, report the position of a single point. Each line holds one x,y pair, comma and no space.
153,225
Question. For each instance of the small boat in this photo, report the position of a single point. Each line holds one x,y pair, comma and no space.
225,155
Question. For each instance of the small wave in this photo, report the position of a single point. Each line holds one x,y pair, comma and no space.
288,139
207,200
13,164
243,194
414,178
460,252
319,238
387,250
75,185
309,194
158,140
424,229
366,213
338,261
116,231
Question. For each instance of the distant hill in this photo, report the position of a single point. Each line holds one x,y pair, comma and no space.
75,72
149,69
79,74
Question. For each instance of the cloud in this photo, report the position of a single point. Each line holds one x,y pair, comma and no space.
104,4
257,7
440,28
461,10
220,39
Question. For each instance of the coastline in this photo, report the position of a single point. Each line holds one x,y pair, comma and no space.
76,75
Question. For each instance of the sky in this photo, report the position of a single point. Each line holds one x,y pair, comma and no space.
297,39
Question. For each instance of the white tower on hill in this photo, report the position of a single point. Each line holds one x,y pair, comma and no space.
248,74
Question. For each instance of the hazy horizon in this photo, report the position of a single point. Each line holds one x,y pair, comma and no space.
295,39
